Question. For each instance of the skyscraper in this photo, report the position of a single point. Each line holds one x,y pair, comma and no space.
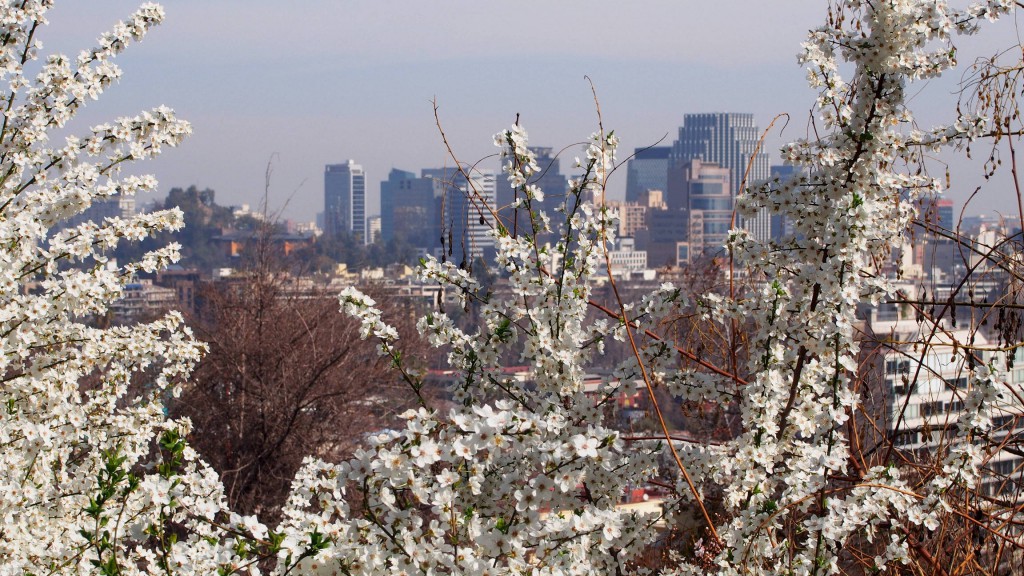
408,210
784,173
550,179
708,206
944,213
345,200
729,140
647,170
480,220
466,209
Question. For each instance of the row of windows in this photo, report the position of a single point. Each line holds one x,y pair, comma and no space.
897,367
902,386
910,437
939,407
1003,421
937,361
1002,487
711,204
935,436
1005,467
928,409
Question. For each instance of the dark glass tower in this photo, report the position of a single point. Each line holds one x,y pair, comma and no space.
647,170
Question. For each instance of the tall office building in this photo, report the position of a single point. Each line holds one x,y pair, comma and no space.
465,207
550,179
729,140
409,210
647,170
784,173
345,200
483,188
709,206
373,229
944,213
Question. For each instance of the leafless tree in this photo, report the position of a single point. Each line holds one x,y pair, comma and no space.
286,376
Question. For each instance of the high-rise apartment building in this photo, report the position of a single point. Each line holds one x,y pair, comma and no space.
632,217
919,384
647,170
345,200
729,140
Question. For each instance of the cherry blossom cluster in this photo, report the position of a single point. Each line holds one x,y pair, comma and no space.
508,478
846,209
93,476
515,478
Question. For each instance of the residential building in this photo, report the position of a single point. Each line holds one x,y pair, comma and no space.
233,243
922,379
625,260
184,282
632,217
141,300
653,198
103,208
244,211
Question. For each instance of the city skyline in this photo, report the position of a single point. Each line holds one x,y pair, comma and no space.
309,84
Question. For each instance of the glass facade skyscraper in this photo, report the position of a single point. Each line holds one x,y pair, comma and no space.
409,209
709,206
647,170
729,140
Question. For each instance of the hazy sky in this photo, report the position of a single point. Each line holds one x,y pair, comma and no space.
304,83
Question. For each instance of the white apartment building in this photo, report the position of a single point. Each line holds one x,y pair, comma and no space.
926,377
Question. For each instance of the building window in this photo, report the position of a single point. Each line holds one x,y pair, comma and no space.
931,408
904,387
897,367
1002,421
958,383
905,438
